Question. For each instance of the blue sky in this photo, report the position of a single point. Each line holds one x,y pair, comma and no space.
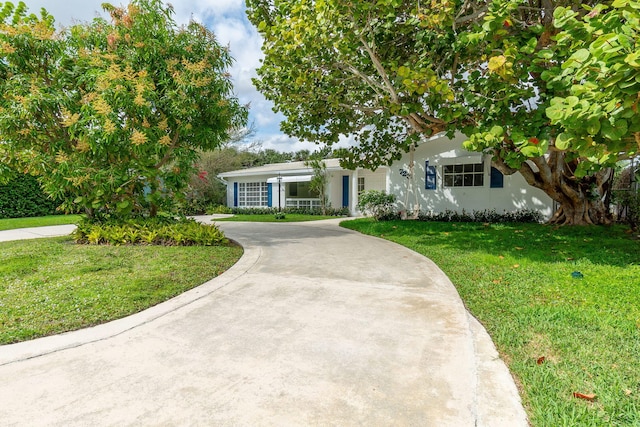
228,21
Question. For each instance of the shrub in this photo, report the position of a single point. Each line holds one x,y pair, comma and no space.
218,209
490,216
23,197
629,207
149,231
302,211
378,204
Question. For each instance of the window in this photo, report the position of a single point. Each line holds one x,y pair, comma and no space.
252,194
293,189
497,178
430,177
360,184
467,175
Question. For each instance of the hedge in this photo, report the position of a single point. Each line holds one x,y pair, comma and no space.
23,197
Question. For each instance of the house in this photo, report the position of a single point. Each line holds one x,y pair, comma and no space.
445,177
287,185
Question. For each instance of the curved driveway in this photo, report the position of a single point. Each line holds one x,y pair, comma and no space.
316,325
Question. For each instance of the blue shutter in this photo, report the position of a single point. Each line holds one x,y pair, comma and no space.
345,191
497,178
235,194
269,194
430,177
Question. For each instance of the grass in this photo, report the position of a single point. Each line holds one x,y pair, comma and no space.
271,218
557,333
48,286
13,223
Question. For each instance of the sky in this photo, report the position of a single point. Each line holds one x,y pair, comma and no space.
229,22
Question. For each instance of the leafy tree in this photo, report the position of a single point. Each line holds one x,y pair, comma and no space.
392,71
111,115
319,182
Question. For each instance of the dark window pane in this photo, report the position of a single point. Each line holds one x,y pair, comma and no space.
457,180
448,169
468,167
479,167
468,180
457,168
448,180
478,180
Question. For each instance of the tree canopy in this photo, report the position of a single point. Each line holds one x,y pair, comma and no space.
111,115
548,88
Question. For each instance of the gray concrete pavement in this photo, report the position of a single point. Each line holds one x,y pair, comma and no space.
36,232
316,325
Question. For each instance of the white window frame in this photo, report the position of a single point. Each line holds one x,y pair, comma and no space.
253,194
361,185
463,175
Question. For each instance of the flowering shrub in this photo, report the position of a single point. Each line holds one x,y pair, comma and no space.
378,204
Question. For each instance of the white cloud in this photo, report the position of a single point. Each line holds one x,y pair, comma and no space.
228,21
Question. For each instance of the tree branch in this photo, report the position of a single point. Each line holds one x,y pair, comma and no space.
170,149
380,69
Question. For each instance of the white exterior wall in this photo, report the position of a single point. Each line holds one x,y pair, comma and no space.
334,189
515,195
374,180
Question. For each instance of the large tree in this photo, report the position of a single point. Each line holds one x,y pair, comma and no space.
110,115
391,71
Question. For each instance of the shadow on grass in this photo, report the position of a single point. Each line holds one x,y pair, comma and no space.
541,243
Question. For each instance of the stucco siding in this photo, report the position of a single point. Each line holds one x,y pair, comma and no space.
515,194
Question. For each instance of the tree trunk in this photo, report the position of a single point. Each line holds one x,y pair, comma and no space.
581,201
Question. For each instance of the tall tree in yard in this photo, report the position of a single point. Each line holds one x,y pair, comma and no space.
110,115
519,78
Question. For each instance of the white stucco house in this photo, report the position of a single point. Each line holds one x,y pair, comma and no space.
445,177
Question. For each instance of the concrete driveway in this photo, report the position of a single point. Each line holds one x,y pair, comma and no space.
316,325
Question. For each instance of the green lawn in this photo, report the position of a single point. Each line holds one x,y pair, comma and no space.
272,218
12,223
48,286
559,334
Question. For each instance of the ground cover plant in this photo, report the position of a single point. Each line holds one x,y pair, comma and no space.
166,231
40,221
49,286
562,306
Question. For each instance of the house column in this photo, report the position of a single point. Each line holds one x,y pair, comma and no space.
353,208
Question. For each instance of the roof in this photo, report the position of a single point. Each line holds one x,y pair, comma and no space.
290,168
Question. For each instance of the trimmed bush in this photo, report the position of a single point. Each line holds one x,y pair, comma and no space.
302,211
378,204
490,216
149,231
23,197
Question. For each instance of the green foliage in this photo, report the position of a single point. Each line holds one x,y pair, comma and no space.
149,231
626,195
113,120
598,113
319,182
23,197
517,280
378,204
487,216
280,215
534,84
357,68
302,211
219,209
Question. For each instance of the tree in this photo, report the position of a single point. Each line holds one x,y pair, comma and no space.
319,182
110,115
392,71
